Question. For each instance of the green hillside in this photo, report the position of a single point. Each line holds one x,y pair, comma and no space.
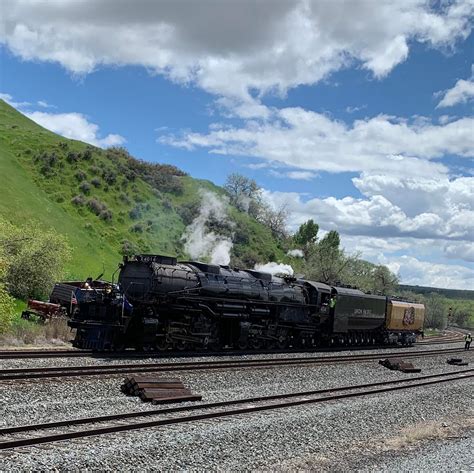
105,202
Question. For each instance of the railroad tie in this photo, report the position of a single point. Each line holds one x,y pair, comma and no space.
399,365
158,390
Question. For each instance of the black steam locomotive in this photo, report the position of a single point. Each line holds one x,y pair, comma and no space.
162,304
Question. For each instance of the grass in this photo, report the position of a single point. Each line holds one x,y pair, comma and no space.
33,190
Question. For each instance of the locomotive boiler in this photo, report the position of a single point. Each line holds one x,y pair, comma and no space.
162,304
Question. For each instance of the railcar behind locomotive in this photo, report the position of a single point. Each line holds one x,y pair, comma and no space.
160,304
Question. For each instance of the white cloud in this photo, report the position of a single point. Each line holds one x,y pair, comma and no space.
355,109
75,126
10,101
44,104
462,92
296,175
422,208
425,273
228,48
314,142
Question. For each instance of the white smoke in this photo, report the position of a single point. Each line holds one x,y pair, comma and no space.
296,253
199,242
275,268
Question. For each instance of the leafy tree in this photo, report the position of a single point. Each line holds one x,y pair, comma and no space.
436,311
383,280
307,234
7,305
326,262
243,192
34,259
275,220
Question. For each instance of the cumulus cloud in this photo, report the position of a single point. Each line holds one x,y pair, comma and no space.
228,48
44,104
421,208
10,101
75,126
462,92
423,273
314,142
296,175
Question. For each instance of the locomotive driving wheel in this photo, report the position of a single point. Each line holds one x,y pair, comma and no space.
163,343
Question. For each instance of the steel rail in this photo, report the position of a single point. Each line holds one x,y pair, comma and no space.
19,354
363,390
73,371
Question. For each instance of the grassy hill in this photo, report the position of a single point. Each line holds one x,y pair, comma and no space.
105,202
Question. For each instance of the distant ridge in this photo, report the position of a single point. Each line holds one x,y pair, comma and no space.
449,293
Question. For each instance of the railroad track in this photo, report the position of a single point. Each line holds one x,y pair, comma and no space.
67,353
14,437
75,371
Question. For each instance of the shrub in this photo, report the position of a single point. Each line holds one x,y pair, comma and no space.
94,170
63,145
87,154
135,213
72,157
106,215
167,205
80,175
95,182
109,176
78,200
34,259
85,187
129,248
124,198
7,310
137,228
96,206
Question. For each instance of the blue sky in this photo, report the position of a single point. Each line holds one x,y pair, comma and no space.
356,114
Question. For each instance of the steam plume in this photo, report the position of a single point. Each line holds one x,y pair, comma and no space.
199,242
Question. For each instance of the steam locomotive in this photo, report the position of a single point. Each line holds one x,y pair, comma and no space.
162,304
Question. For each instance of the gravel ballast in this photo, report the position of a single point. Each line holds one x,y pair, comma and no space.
319,436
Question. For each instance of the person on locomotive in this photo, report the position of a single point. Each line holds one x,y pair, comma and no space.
332,304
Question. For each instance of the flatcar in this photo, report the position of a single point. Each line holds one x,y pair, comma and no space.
162,304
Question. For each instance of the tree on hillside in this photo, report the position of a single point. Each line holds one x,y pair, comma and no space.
306,235
244,193
326,262
34,259
275,220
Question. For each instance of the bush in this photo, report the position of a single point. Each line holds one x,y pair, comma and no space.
80,175
7,310
137,228
94,170
72,157
34,259
78,200
135,213
63,145
124,198
128,248
109,176
95,182
85,187
87,154
96,206
106,215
